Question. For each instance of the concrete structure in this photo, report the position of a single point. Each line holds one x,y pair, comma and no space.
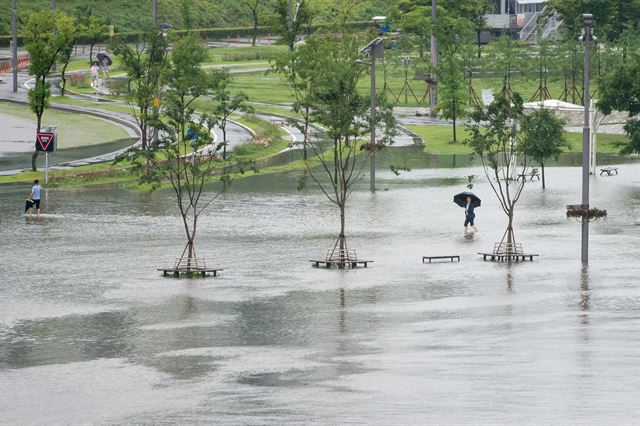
515,15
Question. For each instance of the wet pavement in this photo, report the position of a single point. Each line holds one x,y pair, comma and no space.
90,332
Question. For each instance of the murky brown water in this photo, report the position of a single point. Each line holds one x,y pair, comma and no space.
90,333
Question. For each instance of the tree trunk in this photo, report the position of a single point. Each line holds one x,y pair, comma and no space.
254,12
454,122
64,78
306,133
478,40
91,52
511,239
224,142
542,167
34,156
342,239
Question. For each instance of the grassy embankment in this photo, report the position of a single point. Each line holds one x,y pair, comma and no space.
439,141
269,140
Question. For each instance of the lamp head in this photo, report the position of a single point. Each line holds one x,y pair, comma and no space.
587,19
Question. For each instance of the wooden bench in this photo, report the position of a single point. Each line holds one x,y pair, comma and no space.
507,252
341,258
340,263
189,272
531,175
610,171
507,257
430,258
190,267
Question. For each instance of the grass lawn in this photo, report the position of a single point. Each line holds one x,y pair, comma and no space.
74,130
439,140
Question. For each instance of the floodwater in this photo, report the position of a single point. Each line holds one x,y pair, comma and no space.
91,333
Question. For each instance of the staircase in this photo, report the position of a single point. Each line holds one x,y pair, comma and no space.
531,31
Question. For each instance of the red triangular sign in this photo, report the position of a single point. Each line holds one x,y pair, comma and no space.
44,139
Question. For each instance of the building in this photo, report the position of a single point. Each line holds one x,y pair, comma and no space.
514,15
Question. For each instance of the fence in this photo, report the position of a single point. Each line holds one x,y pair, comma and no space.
6,67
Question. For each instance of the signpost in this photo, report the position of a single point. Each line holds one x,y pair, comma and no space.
46,142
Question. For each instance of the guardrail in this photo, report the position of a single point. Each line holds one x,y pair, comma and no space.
6,66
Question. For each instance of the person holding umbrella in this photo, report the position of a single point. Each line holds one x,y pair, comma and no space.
469,201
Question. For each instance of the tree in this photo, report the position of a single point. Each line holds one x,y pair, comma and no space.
543,136
338,106
254,7
610,17
620,90
94,31
453,97
295,69
226,103
452,102
504,59
185,156
289,24
44,43
478,18
145,64
187,14
68,35
494,138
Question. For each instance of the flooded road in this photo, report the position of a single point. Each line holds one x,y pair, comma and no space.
91,333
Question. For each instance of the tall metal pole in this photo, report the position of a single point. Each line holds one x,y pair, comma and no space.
434,58
14,46
372,172
53,9
587,20
154,12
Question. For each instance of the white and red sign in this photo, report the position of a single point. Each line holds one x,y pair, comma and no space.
45,142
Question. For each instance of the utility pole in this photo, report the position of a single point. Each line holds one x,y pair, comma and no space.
53,9
372,172
154,12
434,58
14,45
587,20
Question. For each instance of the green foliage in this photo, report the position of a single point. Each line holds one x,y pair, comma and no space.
620,90
144,64
494,137
543,137
611,18
452,99
226,103
45,35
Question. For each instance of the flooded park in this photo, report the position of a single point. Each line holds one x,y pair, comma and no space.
91,333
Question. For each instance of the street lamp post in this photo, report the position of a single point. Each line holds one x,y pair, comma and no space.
587,20
434,59
14,46
375,50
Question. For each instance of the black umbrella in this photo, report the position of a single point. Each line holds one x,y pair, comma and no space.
102,57
461,199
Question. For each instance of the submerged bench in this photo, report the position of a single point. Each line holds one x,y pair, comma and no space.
203,272
507,257
341,258
610,171
341,263
193,266
507,252
430,258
